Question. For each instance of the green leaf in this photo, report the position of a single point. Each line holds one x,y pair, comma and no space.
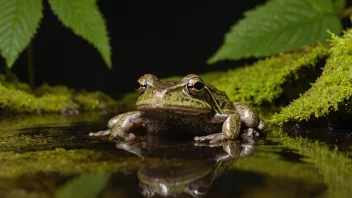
85,20
279,26
339,5
19,20
86,185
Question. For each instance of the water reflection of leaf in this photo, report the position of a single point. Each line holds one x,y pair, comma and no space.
86,185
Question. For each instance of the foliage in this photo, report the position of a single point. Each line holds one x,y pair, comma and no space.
85,20
331,89
280,26
20,19
86,185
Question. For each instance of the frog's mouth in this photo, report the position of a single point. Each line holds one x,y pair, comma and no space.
172,108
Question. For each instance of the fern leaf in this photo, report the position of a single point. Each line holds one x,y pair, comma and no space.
279,26
19,20
85,20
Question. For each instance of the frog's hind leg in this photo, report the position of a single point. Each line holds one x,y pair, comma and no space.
250,119
121,125
230,129
249,116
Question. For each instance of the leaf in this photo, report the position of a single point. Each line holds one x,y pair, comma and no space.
19,20
279,26
85,185
339,5
85,20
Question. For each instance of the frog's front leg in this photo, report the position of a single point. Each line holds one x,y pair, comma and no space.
230,128
121,126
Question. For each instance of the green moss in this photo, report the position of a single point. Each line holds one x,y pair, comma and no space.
10,81
317,161
335,166
95,101
332,88
18,121
15,97
263,81
52,143
65,162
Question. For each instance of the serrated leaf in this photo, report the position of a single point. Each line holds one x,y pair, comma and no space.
279,26
19,20
85,20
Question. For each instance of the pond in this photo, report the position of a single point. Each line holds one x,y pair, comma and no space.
53,156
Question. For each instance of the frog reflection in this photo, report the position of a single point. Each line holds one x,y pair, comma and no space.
181,168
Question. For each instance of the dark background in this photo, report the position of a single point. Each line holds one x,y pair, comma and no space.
164,39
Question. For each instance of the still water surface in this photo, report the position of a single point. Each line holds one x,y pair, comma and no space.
54,157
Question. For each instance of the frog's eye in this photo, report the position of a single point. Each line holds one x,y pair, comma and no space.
202,190
141,85
195,85
197,189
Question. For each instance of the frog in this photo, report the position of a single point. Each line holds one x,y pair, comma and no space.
179,177
189,107
174,168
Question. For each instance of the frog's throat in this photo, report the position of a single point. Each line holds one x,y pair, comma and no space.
172,108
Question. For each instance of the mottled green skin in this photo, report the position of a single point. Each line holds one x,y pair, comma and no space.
173,108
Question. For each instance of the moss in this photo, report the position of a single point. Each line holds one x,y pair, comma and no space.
18,121
334,165
332,88
263,81
95,101
315,160
56,144
10,81
18,98
65,162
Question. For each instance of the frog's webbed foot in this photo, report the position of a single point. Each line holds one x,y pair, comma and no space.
214,138
250,133
230,147
133,146
100,133
121,126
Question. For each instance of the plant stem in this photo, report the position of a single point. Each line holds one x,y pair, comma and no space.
30,68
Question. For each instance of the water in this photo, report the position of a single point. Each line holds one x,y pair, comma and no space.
52,156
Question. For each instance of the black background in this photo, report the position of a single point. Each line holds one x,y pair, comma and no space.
165,39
